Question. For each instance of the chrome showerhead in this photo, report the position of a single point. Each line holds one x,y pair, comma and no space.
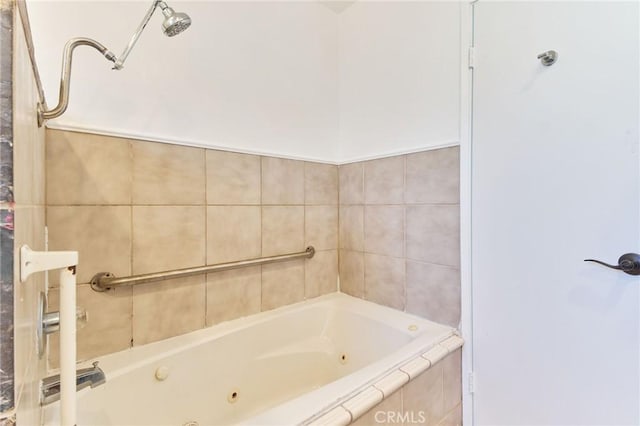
174,22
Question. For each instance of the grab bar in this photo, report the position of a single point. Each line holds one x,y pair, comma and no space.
104,281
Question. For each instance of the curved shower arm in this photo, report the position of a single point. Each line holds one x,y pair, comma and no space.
65,78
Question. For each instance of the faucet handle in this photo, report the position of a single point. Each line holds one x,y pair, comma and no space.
82,317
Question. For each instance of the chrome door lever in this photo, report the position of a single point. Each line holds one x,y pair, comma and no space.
628,263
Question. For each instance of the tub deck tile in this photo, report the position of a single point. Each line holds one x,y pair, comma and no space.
435,354
392,382
452,343
416,366
363,402
336,417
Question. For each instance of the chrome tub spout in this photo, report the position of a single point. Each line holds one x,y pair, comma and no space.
93,376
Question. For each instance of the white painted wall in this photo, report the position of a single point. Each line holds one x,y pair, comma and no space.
285,78
249,76
556,180
399,77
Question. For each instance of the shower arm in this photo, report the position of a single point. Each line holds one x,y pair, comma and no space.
171,26
65,78
134,39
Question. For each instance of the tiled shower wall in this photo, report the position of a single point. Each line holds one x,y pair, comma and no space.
22,222
400,233
133,207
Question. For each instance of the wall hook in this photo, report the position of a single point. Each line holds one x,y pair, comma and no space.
548,58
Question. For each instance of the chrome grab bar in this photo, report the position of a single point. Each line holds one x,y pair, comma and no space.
104,281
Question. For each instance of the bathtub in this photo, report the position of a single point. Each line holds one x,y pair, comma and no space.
307,363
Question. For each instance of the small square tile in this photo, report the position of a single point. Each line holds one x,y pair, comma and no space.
433,177
384,280
351,183
384,181
167,174
282,181
321,274
282,284
320,184
169,308
233,178
384,230
282,230
233,233
352,273
233,294
321,227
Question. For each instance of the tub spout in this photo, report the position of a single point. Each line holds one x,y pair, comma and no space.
93,376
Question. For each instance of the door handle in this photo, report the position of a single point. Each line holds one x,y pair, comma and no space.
628,263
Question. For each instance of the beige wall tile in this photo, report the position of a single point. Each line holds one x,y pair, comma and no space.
282,230
452,377
433,234
388,412
453,418
433,177
168,237
233,233
321,274
384,280
320,183
87,169
167,174
232,178
28,151
233,294
321,227
433,292
352,273
424,395
108,328
100,234
282,284
282,181
384,181
384,230
351,224
169,308
351,183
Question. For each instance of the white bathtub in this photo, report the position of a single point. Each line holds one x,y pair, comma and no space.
287,366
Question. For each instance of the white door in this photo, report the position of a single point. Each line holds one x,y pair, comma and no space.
555,171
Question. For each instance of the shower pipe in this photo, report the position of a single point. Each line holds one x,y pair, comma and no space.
173,24
104,281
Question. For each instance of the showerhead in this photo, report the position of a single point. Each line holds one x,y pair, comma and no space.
174,22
